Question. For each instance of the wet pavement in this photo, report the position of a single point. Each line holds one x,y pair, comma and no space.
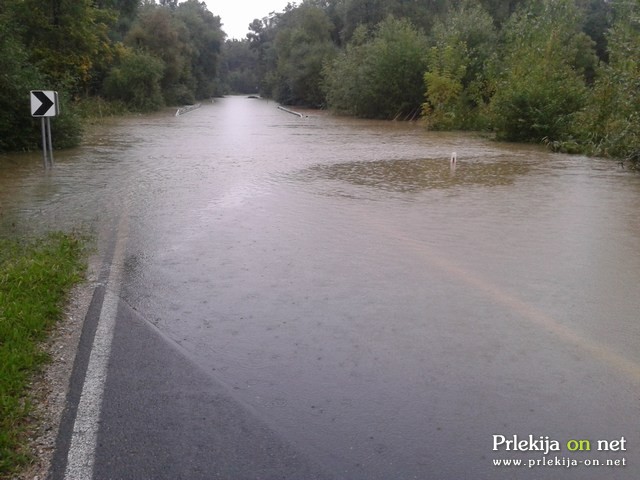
362,307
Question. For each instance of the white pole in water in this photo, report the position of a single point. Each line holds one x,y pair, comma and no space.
454,158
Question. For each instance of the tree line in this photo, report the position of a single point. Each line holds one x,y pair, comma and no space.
102,54
562,72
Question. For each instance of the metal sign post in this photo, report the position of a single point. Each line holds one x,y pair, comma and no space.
44,104
50,144
45,157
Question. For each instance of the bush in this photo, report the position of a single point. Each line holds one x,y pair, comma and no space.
136,81
447,67
541,87
381,77
18,129
610,124
457,90
538,106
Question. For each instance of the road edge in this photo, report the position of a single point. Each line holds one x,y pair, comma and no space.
49,387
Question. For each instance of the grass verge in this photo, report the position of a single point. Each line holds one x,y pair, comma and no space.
35,279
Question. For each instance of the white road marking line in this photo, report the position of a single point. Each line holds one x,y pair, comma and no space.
81,456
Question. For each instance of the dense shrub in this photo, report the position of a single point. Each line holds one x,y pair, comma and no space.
136,81
457,87
381,76
541,86
18,130
610,124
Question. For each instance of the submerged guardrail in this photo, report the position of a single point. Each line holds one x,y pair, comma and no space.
280,107
187,109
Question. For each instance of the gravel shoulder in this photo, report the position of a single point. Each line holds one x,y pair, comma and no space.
48,388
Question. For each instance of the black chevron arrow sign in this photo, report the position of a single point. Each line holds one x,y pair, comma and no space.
44,103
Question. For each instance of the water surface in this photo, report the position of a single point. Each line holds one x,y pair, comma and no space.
386,313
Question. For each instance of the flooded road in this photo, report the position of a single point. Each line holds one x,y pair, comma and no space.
389,316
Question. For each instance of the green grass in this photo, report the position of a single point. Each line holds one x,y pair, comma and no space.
35,279
94,109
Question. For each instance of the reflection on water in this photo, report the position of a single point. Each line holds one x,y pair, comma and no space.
384,312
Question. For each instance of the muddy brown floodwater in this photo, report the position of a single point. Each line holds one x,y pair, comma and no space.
391,316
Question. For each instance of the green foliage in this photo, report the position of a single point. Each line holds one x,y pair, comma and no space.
363,12
447,67
380,77
598,17
261,38
136,81
66,128
610,125
204,39
501,10
302,46
523,68
18,131
239,67
157,32
35,278
369,13
65,40
457,88
93,109
541,87
188,39
74,47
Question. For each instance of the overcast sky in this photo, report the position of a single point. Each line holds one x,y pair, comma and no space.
236,15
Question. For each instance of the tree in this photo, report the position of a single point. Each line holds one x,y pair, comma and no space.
125,12
136,81
171,4
598,16
501,10
362,12
382,76
239,67
303,44
261,39
457,86
541,86
18,131
421,14
204,39
610,125
65,39
447,66
160,34
170,54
